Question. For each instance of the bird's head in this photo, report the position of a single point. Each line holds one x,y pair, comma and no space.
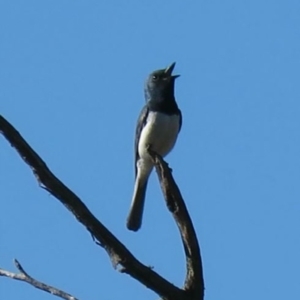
160,83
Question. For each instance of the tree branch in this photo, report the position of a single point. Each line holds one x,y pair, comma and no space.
23,276
117,252
194,282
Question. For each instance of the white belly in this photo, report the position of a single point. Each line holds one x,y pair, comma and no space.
160,132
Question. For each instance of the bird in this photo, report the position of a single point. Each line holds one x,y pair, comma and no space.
158,126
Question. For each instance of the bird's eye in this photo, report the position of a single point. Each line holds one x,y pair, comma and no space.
154,77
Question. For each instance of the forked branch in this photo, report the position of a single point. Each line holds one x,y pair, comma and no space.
118,253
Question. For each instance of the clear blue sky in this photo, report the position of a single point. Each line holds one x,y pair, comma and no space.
71,77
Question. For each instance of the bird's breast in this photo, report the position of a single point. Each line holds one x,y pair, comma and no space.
160,132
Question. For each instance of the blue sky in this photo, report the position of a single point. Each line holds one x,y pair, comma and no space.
72,75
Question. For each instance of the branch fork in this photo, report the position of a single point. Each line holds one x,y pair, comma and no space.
120,256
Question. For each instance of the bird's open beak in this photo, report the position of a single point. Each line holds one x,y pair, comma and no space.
170,69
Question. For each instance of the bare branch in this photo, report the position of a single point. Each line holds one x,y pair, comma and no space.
194,282
23,276
117,252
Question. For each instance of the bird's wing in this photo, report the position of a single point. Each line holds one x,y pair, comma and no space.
180,119
139,127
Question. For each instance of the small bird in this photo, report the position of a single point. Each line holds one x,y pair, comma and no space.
158,126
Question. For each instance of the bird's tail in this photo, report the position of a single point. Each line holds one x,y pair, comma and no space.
134,219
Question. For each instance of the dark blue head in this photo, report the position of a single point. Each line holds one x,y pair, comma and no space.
160,85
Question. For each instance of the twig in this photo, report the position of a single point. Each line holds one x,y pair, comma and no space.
23,276
194,282
117,252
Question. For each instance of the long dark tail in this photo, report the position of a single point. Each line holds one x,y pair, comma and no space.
134,219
